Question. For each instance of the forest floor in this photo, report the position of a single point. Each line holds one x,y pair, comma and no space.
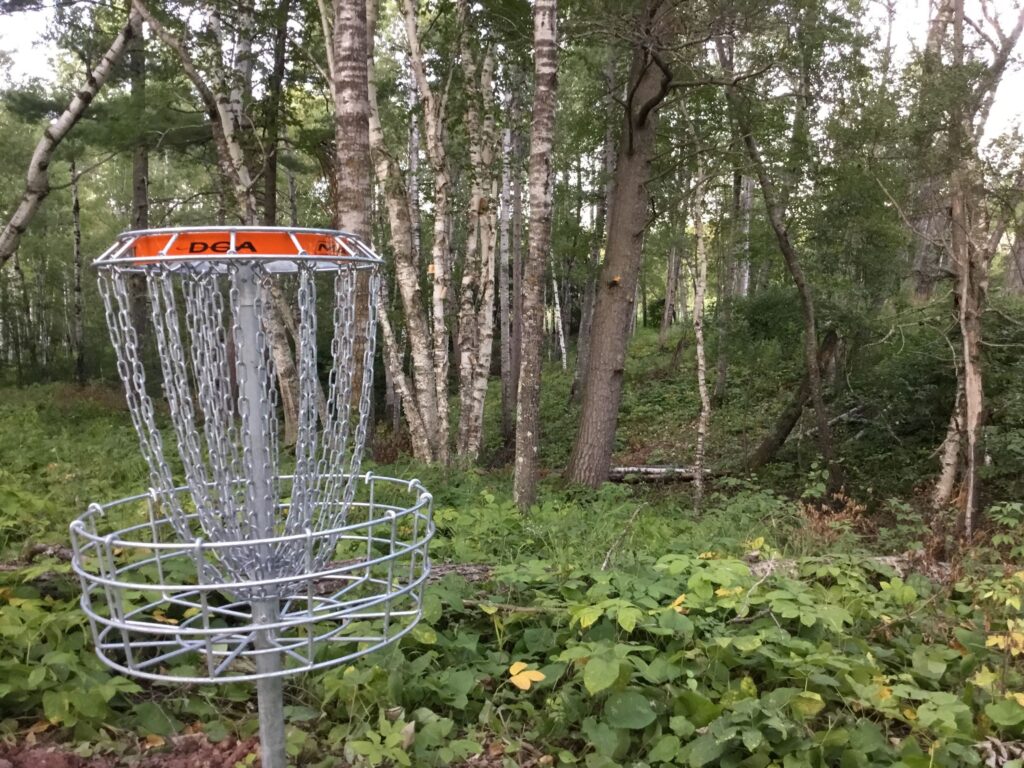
760,631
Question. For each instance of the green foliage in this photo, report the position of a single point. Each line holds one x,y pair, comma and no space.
678,654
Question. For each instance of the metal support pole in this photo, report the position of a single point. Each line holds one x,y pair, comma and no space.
269,689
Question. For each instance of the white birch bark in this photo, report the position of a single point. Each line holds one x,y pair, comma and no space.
700,287
418,392
557,320
434,110
37,179
476,315
545,57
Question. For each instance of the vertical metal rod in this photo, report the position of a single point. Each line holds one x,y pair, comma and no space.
269,688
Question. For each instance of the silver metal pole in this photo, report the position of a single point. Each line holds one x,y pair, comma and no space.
269,689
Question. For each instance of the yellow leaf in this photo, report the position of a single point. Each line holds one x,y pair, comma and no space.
755,543
1013,602
677,604
709,555
1018,697
488,608
723,592
191,612
163,618
984,677
522,677
910,713
153,741
39,726
885,692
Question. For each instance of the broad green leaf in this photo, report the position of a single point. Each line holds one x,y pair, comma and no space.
666,748
807,704
600,674
628,709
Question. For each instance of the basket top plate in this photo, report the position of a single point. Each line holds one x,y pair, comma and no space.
281,249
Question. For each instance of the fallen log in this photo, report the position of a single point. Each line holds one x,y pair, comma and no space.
637,474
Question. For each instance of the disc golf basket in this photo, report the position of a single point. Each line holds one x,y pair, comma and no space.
243,562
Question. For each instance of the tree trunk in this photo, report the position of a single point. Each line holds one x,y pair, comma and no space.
418,392
273,131
545,57
604,194
701,282
77,327
668,314
508,401
138,296
37,180
732,256
476,314
777,219
434,111
517,260
352,150
616,293
790,415
1013,283
558,320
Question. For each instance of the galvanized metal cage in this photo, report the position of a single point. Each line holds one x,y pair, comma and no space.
248,559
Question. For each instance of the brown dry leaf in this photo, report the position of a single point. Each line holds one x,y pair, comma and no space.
152,741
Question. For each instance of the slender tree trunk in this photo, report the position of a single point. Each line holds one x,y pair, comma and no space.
559,325
616,294
414,171
434,111
37,180
668,314
138,295
517,261
791,414
27,333
701,281
77,326
604,194
273,130
545,57
776,217
476,314
418,392
1014,280
508,405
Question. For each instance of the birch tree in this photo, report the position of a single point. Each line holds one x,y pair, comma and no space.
542,136
37,179
476,312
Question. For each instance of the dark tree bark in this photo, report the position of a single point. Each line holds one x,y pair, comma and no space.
545,57
77,328
615,305
600,216
273,125
790,415
138,296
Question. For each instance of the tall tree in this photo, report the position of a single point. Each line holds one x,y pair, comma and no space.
615,305
545,84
